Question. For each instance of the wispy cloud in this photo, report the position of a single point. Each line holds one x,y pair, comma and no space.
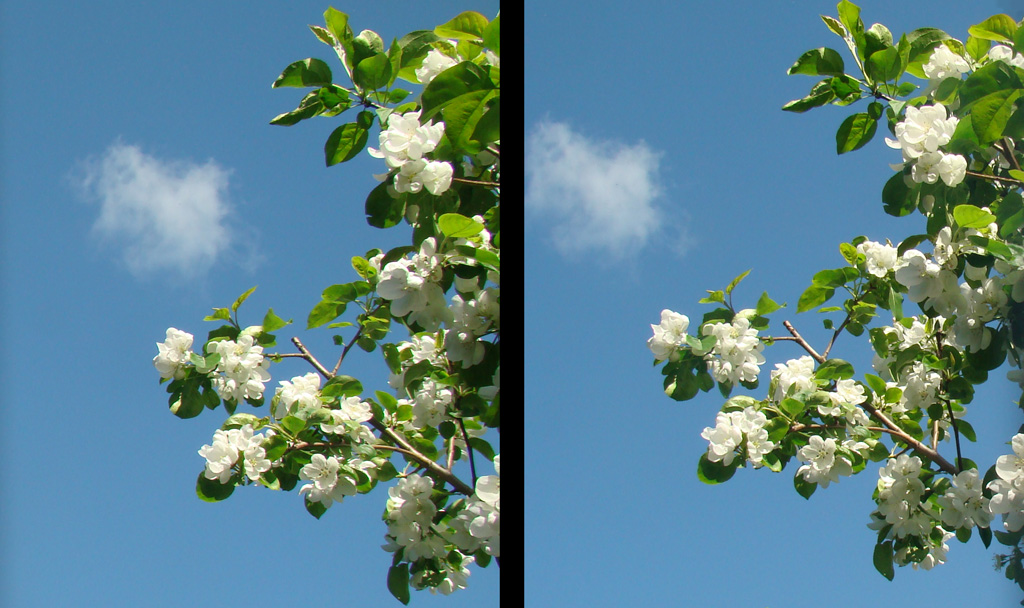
166,216
595,195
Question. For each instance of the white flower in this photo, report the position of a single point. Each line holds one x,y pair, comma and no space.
963,505
406,139
1011,467
1001,52
736,355
328,485
878,258
823,467
173,354
433,64
952,169
669,335
415,175
923,130
300,392
723,439
1008,500
944,63
797,373
225,450
243,367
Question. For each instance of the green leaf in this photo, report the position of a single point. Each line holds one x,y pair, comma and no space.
977,48
804,488
242,298
793,407
856,131
823,61
345,143
211,490
882,559
306,73
324,312
492,35
715,472
272,322
382,210
464,115
454,225
1000,28
765,305
342,386
736,281
813,296
316,509
969,216
819,96
451,85
469,25
293,425
834,369
884,65
835,277
219,314
398,582
373,72
990,114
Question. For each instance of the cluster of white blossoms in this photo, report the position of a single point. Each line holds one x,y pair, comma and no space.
242,369
239,375
332,480
295,394
479,523
900,490
403,146
879,259
411,284
1008,490
964,505
410,514
668,336
920,136
944,63
174,354
230,446
736,355
822,465
796,375
735,429
471,318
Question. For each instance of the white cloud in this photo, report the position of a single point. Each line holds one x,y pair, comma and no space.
165,216
595,195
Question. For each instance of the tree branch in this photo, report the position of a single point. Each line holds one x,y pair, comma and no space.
800,340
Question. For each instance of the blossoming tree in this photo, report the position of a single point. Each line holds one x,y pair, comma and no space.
441,176
959,134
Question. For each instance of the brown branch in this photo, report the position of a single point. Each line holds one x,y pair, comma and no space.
476,182
800,340
994,178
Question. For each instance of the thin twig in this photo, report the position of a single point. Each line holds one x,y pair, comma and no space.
476,182
1008,153
800,340
994,178
469,448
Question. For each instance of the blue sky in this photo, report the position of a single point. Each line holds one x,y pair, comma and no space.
663,167
141,186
